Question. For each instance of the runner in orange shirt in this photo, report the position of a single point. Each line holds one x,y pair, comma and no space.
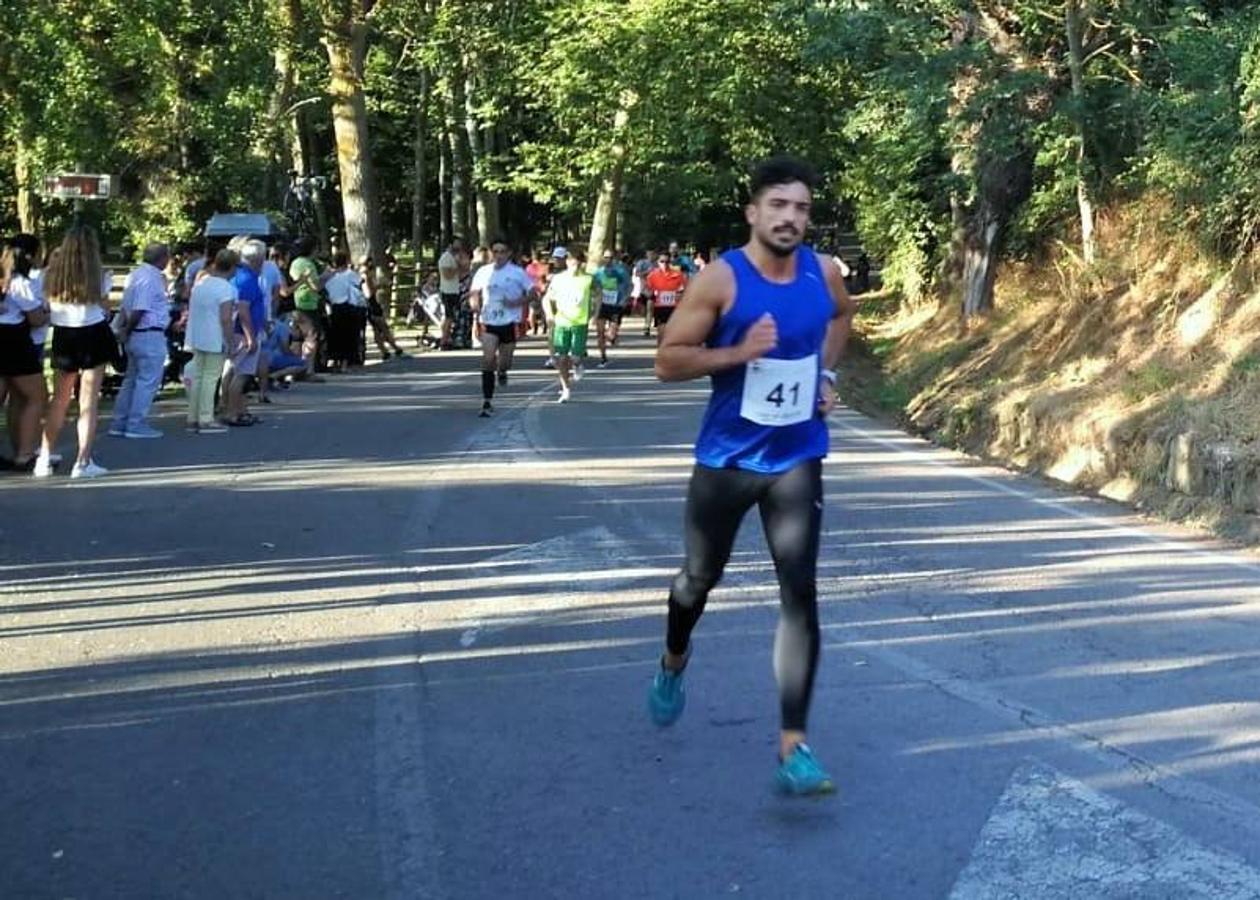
665,286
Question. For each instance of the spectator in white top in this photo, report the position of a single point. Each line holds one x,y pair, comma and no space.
209,337
34,249
31,246
20,365
146,313
82,344
448,288
344,288
499,292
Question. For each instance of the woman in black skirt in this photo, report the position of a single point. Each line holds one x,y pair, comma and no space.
82,344
21,367
343,329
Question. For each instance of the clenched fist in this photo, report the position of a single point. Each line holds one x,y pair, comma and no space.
760,339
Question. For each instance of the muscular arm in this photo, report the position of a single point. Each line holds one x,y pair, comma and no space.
682,355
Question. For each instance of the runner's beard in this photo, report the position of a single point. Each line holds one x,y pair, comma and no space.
768,241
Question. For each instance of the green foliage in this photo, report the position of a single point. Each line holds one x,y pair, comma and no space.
1202,147
165,93
1151,379
905,105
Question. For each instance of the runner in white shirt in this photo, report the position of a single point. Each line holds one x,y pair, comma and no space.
499,292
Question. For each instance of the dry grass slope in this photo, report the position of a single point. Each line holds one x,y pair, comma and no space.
1138,377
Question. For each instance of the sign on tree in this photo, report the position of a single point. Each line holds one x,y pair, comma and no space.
78,186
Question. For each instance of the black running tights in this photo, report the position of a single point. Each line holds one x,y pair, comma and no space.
791,516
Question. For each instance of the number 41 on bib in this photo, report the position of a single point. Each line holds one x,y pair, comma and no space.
780,391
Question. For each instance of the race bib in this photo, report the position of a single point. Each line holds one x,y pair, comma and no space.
780,391
496,314
666,298
611,298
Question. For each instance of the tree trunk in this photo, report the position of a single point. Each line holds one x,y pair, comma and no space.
482,146
980,263
420,176
346,43
992,152
493,214
281,125
476,160
1074,21
604,226
463,212
458,140
962,157
27,198
445,211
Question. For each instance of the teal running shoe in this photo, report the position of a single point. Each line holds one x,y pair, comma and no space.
800,775
667,698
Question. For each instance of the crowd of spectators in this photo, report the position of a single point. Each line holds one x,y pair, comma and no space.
231,321
234,320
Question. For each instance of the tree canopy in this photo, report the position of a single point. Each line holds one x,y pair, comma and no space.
949,132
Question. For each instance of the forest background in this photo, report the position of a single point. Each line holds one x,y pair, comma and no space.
1063,196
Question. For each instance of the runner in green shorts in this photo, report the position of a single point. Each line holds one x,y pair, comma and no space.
568,300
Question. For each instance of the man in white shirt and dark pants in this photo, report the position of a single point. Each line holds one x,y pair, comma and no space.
146,312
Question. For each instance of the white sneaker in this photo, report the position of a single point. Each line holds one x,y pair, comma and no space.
43,466
564,396
88,470
578,372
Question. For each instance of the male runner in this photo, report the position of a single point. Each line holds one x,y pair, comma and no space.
499,292
612,285
682,260
768,322
665,285
538,272
568,301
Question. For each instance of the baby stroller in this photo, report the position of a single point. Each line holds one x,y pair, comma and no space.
427,310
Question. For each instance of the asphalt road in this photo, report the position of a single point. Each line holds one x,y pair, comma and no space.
378,647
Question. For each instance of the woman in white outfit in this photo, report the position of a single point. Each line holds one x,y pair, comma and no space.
82,344
21,367
208,337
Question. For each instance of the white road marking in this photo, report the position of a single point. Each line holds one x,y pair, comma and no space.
589,549
1053,838
926,454
1241,815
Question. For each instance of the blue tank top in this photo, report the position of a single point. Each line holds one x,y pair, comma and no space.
802,311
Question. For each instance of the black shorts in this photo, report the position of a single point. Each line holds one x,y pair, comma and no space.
611,313
450,304
18,356
661,314
81,349
505,333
